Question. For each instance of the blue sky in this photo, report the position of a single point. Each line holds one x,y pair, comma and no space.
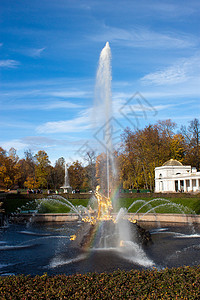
49,53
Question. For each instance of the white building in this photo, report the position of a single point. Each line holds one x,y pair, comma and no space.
172,176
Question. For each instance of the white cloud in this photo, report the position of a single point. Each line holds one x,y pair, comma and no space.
86,121
9,63
16,124
143,37
69,94
32,52
37,52
61,104
78,124
35,143
184,70
15,143
40,106
171,75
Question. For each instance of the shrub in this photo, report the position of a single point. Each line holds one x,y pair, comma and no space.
175,283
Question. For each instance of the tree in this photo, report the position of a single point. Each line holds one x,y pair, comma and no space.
9,170
90,181
27,168
105,168
145,149
31,183
59,173
177,147
76,175
42,164
192,137
13,155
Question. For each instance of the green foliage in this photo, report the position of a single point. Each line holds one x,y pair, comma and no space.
175,283
187,205
49,207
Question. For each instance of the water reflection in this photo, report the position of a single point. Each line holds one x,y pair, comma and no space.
46,248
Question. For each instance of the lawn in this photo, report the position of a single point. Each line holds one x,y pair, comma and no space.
181,203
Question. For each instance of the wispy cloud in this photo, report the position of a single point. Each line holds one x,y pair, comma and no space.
76,124
171,10
34,52
61,104
70,94
37,142
180,72
40,106
171,75
143,37
15,143
15,124
9,63
34,143
86,120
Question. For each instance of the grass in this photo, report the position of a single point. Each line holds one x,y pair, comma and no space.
186,203
177,204
53,207
175,283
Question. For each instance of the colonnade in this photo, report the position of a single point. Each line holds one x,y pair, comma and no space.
188,185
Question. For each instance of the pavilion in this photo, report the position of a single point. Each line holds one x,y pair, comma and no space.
173,176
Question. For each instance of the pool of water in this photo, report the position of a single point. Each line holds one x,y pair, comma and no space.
45,248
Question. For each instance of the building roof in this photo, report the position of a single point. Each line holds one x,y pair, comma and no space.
172,162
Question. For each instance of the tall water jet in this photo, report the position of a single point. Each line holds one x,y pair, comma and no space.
103,111
66,187
99,228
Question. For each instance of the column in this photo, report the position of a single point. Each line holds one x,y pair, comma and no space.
185,187
197,184
179,185
190,189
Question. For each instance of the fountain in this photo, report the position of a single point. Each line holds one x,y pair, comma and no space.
66,187
99,240
116,233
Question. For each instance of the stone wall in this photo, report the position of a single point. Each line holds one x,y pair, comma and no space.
165,218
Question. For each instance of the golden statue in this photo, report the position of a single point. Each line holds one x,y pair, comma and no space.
104,205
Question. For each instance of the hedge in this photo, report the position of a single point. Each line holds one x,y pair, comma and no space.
175,283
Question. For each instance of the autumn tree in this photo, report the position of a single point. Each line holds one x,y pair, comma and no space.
90,181
31,183
9,170
42,168
27,170
178,147
129,166
3,169
143,150
192,138
76,175
56,174
106,172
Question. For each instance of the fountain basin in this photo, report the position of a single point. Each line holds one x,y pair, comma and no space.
150,217
46,247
